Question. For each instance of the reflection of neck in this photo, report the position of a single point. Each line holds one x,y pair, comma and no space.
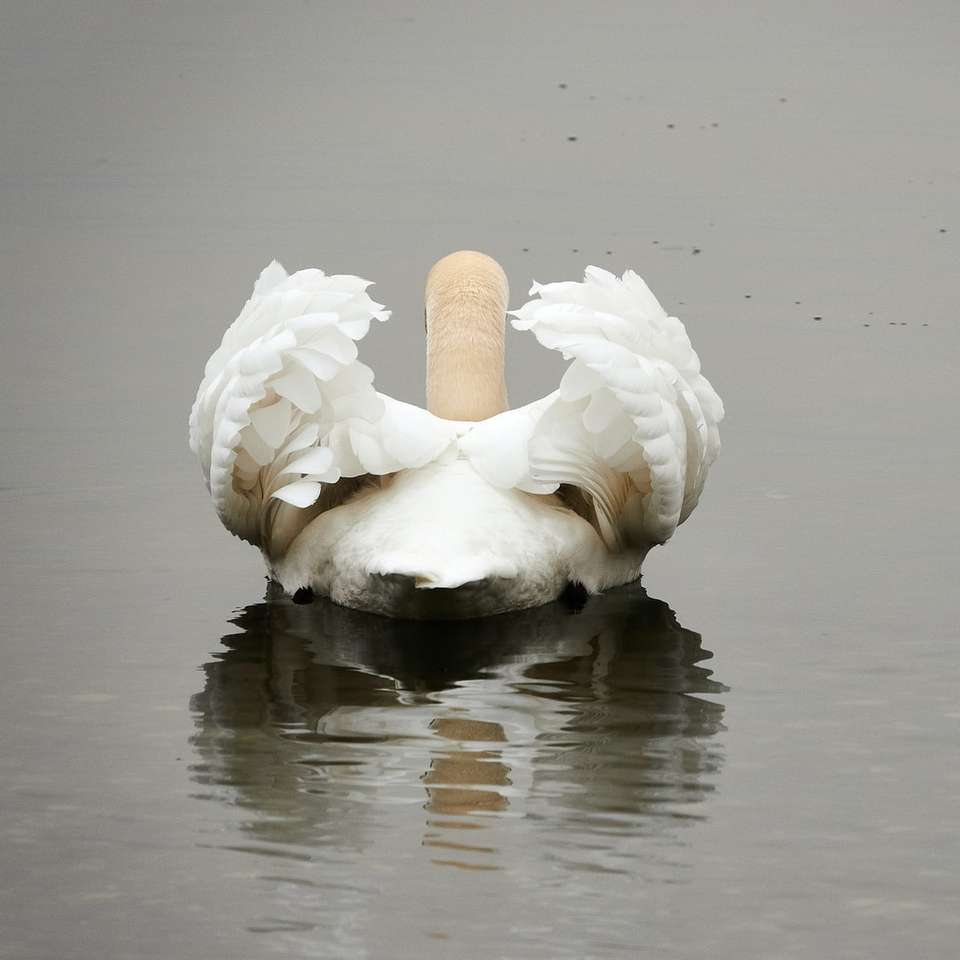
466,768
452,781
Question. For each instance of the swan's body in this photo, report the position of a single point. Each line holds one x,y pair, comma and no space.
405,546
465,509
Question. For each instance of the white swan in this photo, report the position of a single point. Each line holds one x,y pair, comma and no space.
466,508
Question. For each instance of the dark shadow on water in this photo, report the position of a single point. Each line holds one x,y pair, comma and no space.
329,727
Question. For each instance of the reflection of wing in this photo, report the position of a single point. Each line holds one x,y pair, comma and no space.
634,423
285,408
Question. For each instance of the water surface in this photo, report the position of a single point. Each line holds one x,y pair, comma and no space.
551,751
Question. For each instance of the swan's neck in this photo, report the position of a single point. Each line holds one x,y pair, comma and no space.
466,306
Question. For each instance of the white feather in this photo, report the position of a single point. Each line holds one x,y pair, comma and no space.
651,416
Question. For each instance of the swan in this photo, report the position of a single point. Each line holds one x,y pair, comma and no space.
466,508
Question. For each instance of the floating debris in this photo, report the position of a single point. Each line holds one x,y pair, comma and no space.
562,86
572,139
696,250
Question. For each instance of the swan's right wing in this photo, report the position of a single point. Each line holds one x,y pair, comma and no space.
633,426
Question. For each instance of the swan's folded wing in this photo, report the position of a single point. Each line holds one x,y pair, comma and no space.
285,409
634,424
499,448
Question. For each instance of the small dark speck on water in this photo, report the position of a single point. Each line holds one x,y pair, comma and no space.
892,323
943,229
783,99
747,296
903,323
562,86
797,302
572,139
525,249
866,324
656,241
818,318
696,250
924,324
574,250
714,124
609,252
670,126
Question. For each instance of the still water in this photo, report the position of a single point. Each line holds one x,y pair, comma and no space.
754,753
573,749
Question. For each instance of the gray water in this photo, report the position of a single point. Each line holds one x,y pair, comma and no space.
752,755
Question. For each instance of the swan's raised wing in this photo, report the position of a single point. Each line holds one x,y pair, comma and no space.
286,412
634,423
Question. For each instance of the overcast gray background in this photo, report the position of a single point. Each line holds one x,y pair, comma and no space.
154,156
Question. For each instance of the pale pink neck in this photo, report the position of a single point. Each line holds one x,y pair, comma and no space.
466,314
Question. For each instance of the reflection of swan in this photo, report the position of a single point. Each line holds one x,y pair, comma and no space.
326,724
466,508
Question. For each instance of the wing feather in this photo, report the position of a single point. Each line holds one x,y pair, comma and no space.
285,408
499,448
634,424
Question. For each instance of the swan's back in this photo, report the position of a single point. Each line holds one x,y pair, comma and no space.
440,542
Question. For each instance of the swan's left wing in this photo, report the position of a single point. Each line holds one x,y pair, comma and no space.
287,420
